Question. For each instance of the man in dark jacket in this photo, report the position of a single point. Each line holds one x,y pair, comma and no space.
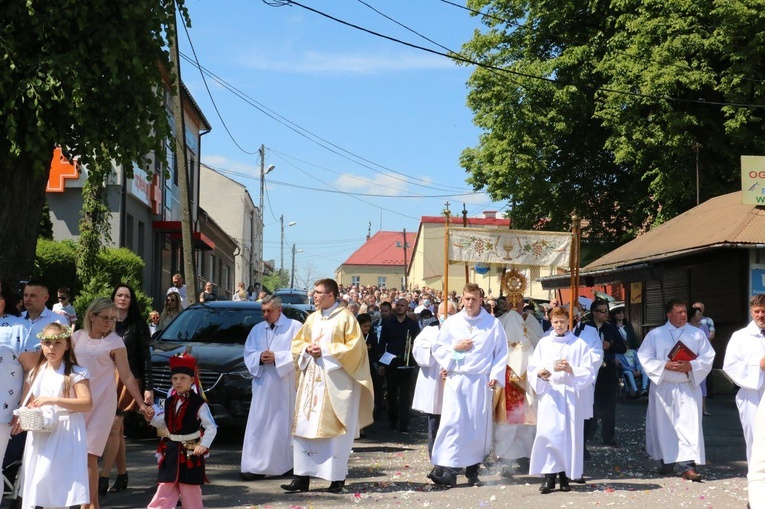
607,385
396,339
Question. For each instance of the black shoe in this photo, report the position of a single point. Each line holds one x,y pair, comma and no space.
666,468
103,486
248,476
473,480
121,483
579,480
442,477
299,483
471,473
564,482
288,473
336,486
548,485
506,472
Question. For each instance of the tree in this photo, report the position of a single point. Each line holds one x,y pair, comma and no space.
578,114
307,275
88,76
274,280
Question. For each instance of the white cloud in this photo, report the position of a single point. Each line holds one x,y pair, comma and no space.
477,199
219,162
383,183
346,63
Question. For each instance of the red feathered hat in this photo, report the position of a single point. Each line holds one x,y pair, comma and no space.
182,363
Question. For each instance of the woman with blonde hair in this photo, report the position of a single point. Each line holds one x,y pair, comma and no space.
240,293
172,309
100,350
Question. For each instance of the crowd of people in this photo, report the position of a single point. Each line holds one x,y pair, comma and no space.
500,382
81,382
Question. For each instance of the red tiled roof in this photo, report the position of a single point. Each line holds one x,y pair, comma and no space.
472,221
382,249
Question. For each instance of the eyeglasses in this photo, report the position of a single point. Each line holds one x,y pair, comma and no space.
106,318
61,297
600,311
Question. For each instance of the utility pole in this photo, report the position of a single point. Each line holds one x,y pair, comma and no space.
263,172
406,283
292,274
281,264
180,157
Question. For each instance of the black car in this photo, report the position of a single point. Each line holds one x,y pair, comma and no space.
214,333
298,298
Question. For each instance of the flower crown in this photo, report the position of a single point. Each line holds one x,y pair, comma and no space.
52,337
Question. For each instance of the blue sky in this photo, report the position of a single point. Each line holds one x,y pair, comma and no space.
400,111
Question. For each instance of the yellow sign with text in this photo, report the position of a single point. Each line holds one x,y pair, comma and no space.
753,180
636,293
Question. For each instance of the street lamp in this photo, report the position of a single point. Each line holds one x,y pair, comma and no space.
292,223
292,274
263,172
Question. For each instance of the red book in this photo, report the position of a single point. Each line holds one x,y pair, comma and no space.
680,352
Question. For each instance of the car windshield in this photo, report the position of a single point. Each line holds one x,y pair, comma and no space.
207,324
212,325
293,298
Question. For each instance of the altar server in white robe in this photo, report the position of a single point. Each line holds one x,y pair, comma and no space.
268,357
334,396
429,389
756,474
589,335
472,347
744,364
560,369
673,430
515,410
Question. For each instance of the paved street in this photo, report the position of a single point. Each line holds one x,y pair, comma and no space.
388,471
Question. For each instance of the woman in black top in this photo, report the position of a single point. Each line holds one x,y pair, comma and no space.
135,334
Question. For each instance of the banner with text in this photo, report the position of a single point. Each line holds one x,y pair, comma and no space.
509,247
753,180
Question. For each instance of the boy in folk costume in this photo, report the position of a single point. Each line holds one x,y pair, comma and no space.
184,445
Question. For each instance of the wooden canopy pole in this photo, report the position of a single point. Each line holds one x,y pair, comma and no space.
574,265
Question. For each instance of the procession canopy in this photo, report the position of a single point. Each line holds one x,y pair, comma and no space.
509,247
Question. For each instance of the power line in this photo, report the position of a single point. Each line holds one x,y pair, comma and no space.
525,26
355,196
362,179
305,133
458,57
196,60
333,190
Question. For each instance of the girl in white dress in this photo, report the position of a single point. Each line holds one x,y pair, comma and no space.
58,385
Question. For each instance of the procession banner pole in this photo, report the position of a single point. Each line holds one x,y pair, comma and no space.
464,225
447,213
574,280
